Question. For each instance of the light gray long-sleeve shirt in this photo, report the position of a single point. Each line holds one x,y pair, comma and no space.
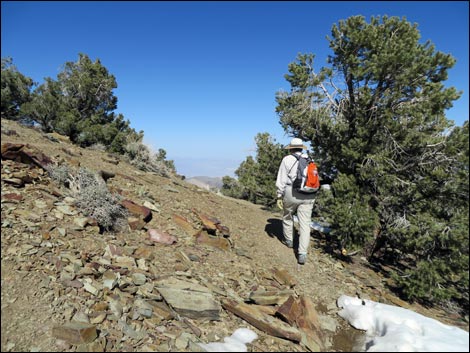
286,173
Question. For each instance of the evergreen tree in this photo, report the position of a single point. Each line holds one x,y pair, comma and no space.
88,100
80,105
231,187
161,157
376,119
247,174
15,89
44,107
257,176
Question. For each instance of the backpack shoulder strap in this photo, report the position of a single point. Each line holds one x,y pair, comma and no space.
293,165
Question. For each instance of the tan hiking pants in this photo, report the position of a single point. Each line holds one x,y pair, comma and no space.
302,204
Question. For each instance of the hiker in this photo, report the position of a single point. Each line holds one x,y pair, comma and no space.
292,202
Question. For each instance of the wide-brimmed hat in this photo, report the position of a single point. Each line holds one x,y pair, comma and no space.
296,143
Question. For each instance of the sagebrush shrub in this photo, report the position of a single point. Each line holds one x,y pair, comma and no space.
140,156
95,200
59,173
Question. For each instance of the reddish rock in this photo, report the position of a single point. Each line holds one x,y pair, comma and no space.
135,223
309,316
75,332
289,310
184,224
26,154
160,236
202,237
13,196
308,322
208,223
141,212
224,230
144,252
262,321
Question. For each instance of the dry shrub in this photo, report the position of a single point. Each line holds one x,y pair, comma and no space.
93,197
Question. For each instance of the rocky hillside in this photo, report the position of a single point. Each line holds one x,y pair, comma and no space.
190,266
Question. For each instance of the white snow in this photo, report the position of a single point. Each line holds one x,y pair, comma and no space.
393,329
388,329
235,343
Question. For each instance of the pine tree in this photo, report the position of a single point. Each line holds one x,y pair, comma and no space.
376,119
257,175
44,107
80,104
88,99
15,89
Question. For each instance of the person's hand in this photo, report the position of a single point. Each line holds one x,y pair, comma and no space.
280,203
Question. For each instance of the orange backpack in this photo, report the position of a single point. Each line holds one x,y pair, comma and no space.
313,179
307,180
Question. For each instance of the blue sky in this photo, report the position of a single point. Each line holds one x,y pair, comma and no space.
200,78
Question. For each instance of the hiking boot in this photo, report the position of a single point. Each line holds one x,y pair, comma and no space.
288,243
302,258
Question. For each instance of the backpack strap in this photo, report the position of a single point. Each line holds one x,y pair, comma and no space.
296,157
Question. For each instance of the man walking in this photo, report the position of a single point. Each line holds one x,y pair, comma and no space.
292,202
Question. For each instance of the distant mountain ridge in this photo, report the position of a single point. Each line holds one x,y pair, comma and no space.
206,182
